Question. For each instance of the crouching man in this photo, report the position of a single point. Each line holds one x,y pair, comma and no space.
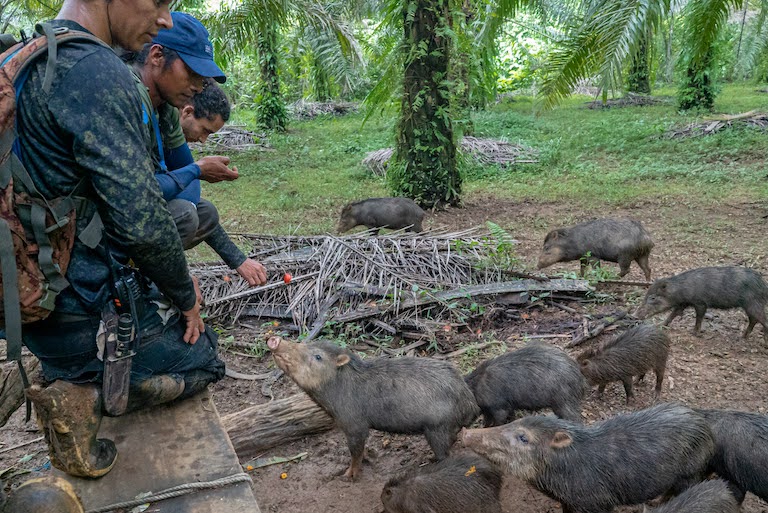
85,138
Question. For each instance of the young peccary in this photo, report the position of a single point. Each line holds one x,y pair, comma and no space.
633,353
398,395
534,377
465,483
628,459
392,213
741,450
709,287
613,240
707,497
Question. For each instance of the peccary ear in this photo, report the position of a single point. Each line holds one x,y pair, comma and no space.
561,440
342,360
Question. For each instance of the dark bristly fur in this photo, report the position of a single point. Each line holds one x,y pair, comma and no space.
464,483
628,459
534,377
398,395
741,450
612,240
707,497
709,287
633,353
392,213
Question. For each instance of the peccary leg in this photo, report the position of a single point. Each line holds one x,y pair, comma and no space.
600,390
567,412
736,491
624,267
660,370
642,261
356,442
677,312
700,311
440,439
495,417
628,389
755,313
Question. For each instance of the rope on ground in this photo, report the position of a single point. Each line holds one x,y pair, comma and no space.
176,491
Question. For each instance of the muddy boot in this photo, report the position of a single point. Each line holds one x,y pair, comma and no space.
70,416
155,390
43,495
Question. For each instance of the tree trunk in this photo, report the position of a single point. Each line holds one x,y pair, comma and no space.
261,427
669,64
639,72
424,166
271,111
11,389
698,90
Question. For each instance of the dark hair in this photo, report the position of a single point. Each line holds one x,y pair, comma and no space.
210,102
140,58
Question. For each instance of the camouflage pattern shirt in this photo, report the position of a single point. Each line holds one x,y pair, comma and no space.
90,127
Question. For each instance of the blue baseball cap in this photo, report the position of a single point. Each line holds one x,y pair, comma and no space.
189,38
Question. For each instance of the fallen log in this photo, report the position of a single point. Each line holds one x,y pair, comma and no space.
11,389
558,285
261,427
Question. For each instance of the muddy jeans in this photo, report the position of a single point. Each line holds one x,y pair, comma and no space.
66,347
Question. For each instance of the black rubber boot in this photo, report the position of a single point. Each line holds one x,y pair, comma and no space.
155,390
43,495
70,416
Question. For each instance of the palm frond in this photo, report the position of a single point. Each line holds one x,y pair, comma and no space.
601,45
705,20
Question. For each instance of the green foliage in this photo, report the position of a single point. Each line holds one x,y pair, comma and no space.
503,254
270,107
594,160
424,165
698,89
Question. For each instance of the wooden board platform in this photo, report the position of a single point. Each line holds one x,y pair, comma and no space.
166,447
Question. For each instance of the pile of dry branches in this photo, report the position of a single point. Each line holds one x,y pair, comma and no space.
629,100
752,119
485,151
308,110
233,138
392,284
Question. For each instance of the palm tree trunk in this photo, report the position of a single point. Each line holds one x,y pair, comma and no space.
698,90
425,165
271,111
639,72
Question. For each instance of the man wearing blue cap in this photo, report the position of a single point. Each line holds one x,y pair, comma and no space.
171,70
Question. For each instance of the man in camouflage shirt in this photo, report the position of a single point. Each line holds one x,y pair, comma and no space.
172,71
88,134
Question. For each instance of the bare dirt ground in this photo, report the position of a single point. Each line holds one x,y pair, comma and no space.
718,369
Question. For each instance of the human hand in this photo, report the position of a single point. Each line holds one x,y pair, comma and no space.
252,272
195,325
214,168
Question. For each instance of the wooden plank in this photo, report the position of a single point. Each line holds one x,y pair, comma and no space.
164,447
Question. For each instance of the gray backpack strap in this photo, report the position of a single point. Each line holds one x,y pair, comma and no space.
50,67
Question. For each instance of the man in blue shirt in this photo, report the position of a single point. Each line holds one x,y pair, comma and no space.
162,68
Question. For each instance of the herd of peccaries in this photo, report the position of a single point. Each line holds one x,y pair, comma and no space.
683,460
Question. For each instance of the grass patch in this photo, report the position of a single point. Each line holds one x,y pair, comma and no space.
591,158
